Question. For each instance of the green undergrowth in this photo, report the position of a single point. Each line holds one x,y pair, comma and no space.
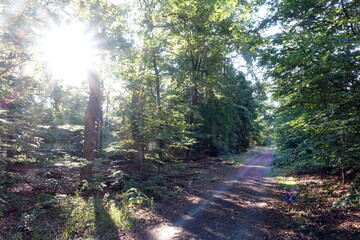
317,203
78,217
287,181
239,159
214,179
349,178
156,187
352,198
101,217
113,201
92,212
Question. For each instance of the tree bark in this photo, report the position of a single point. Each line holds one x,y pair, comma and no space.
157,77
92,124
158,103
136,123
10,151
213,149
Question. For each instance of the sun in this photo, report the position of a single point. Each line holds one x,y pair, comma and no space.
69,52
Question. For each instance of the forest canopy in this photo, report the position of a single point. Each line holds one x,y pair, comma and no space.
104,104
151,79
314,64
162,79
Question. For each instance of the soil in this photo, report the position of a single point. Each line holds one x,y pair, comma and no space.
314,215
249,203
211,198
241,205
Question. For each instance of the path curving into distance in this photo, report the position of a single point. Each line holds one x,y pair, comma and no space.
235,209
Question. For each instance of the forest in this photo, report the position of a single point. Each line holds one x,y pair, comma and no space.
118,114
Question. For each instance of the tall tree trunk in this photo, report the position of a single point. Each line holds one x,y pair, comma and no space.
136,124
100,134
10,151
158,103
157,84
196,67
92,124
213,149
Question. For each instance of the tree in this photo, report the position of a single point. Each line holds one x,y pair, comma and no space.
315,66
20,93
92,124
181,92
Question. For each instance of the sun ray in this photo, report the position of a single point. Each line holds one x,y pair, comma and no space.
69,52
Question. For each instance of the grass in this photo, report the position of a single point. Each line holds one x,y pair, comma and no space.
122,217
239,159
99,217
76,217
213,179
287,182
97,211
236,159
80,216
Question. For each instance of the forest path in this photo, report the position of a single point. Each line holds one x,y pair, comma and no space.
239,206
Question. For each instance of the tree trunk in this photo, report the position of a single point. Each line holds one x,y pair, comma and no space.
10,151
136,122
100,135
157,77
196,67
161,142
92,124
213,149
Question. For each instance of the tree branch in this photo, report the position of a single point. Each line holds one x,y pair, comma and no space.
348,17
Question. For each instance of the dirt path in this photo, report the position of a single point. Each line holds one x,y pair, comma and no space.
237,207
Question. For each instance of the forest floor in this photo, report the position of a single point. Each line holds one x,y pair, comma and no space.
218,198
253,202
237,206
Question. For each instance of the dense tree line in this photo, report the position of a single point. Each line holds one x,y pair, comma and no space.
165,86
133,88
169,86
314,63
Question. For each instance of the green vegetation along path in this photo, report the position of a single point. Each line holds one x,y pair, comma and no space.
240,206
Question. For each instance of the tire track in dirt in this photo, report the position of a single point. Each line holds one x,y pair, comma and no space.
233,209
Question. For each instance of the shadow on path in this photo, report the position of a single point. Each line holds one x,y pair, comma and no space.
234,209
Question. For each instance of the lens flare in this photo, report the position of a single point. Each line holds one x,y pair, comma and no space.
69,52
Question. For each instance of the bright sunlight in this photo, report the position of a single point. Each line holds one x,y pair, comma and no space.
69,52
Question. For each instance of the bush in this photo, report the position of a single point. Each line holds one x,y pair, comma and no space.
353,197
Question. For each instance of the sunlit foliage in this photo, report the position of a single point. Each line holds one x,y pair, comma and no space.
314,62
